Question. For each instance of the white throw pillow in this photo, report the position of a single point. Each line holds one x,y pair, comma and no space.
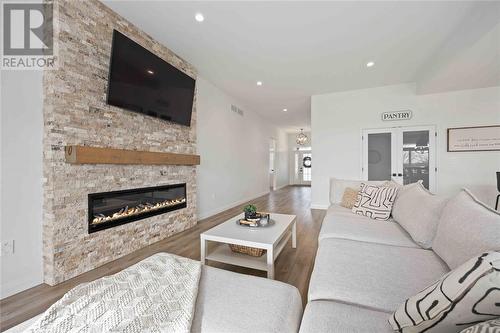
418,211
463,297
466,228
375,201
338,186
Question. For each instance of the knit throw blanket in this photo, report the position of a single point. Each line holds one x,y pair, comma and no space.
157,294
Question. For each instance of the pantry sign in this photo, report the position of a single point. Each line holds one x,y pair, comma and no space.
397,115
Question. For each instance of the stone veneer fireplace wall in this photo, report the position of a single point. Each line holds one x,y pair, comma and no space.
76,113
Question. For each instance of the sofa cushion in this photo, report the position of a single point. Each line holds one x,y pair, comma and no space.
467,295
349,198
466,228
418,211
340,222
232,302
375,201
327,316
372,275
338,186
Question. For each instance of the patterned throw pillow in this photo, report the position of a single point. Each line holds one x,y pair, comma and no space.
375,201
463,297
490,326
349,198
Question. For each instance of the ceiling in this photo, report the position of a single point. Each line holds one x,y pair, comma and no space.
298,49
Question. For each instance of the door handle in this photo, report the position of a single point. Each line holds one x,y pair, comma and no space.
394,175
400,175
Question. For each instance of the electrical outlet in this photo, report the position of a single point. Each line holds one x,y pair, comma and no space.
7,247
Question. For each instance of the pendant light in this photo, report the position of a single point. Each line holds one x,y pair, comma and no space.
301,138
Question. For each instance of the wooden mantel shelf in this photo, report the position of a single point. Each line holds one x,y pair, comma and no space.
95,155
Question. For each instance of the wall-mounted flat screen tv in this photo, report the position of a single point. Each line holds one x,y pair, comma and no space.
142,82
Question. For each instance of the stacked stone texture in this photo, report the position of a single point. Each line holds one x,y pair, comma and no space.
76,113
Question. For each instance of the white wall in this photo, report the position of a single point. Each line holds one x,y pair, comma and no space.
282,163
338,118
21,179
234,152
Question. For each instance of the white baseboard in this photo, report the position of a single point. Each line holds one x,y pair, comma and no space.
14,287
319,206
282,186
228,206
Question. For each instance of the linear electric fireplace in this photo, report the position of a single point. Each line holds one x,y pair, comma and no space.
110,209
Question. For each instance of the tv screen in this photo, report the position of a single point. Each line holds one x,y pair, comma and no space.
142,82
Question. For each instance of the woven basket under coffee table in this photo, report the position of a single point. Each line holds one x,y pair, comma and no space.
256,248
251,251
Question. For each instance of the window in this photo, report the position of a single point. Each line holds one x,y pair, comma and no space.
306,173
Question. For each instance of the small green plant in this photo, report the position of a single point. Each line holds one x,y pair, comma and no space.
250,209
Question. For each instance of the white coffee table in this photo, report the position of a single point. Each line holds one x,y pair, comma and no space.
273,239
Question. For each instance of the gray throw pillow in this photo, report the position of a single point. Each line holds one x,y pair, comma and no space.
466,228
418,211
463,297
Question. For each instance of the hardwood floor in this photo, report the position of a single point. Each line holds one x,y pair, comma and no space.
293,266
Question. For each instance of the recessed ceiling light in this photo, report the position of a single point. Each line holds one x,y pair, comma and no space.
370,64
285,110
150,72
259,83
199,17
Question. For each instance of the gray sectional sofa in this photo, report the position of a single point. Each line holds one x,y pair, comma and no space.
364,270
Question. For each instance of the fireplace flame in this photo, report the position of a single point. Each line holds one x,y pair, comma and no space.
137,210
